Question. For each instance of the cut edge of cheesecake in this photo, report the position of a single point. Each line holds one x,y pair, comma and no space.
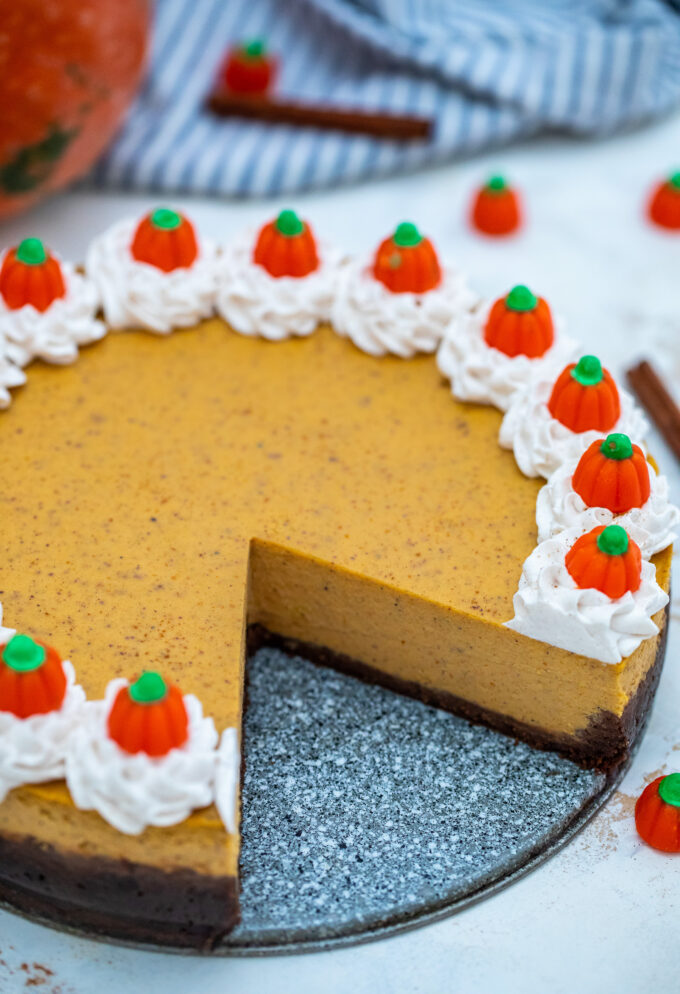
87,886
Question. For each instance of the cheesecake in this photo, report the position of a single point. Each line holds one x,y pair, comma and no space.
172,503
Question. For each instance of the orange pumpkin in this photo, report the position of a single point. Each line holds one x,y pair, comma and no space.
286,247
496,208
585,397
32,678
612,473
69,71
520,324
149,716
657,813
166,240
605,559
30,275
664,205
248,70
406,262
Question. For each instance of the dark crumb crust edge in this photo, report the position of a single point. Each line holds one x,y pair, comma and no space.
115,898
183,909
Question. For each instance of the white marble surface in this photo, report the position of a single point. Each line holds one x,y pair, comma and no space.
602,915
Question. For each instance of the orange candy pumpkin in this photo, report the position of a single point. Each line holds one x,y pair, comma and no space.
657,813
496,208
585,397
520,324
32,678
248,70
149,716
605,559
664,205
286,247
406,262
166,240
30,275
613,473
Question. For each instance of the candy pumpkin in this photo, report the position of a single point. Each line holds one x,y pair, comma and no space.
612,473
286,247
30,275
657,813
149,716
248,70
32,678
605,559
664,205
520,324
496,208
69,70
585,397
166,240
406,262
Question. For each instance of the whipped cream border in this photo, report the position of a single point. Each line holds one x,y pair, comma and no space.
541,443
55,334
254,303
549,607
11,373
652,526
135,295
481,374
132,792
33,750
380,322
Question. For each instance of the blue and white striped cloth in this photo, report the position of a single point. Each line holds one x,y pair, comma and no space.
487,71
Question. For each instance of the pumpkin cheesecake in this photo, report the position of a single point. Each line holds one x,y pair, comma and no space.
169,501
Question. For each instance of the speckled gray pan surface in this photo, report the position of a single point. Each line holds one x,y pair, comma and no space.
364,811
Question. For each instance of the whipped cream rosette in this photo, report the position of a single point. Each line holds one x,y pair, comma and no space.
40,706
279,282
155,273
590,594
145,755
612,483
11,373
549,423
47,308
492,352
227,778
402,301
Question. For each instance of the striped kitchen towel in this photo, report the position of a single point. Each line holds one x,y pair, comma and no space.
486,71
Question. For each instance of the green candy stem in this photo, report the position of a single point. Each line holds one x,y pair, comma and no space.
289,224
165,219
588,371
669,789
617,446
613,541
22,654
254,49
521,299
674,181
148,689
31,252
407,235
497,184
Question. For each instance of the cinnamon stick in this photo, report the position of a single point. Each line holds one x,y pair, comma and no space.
657,401
395,126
